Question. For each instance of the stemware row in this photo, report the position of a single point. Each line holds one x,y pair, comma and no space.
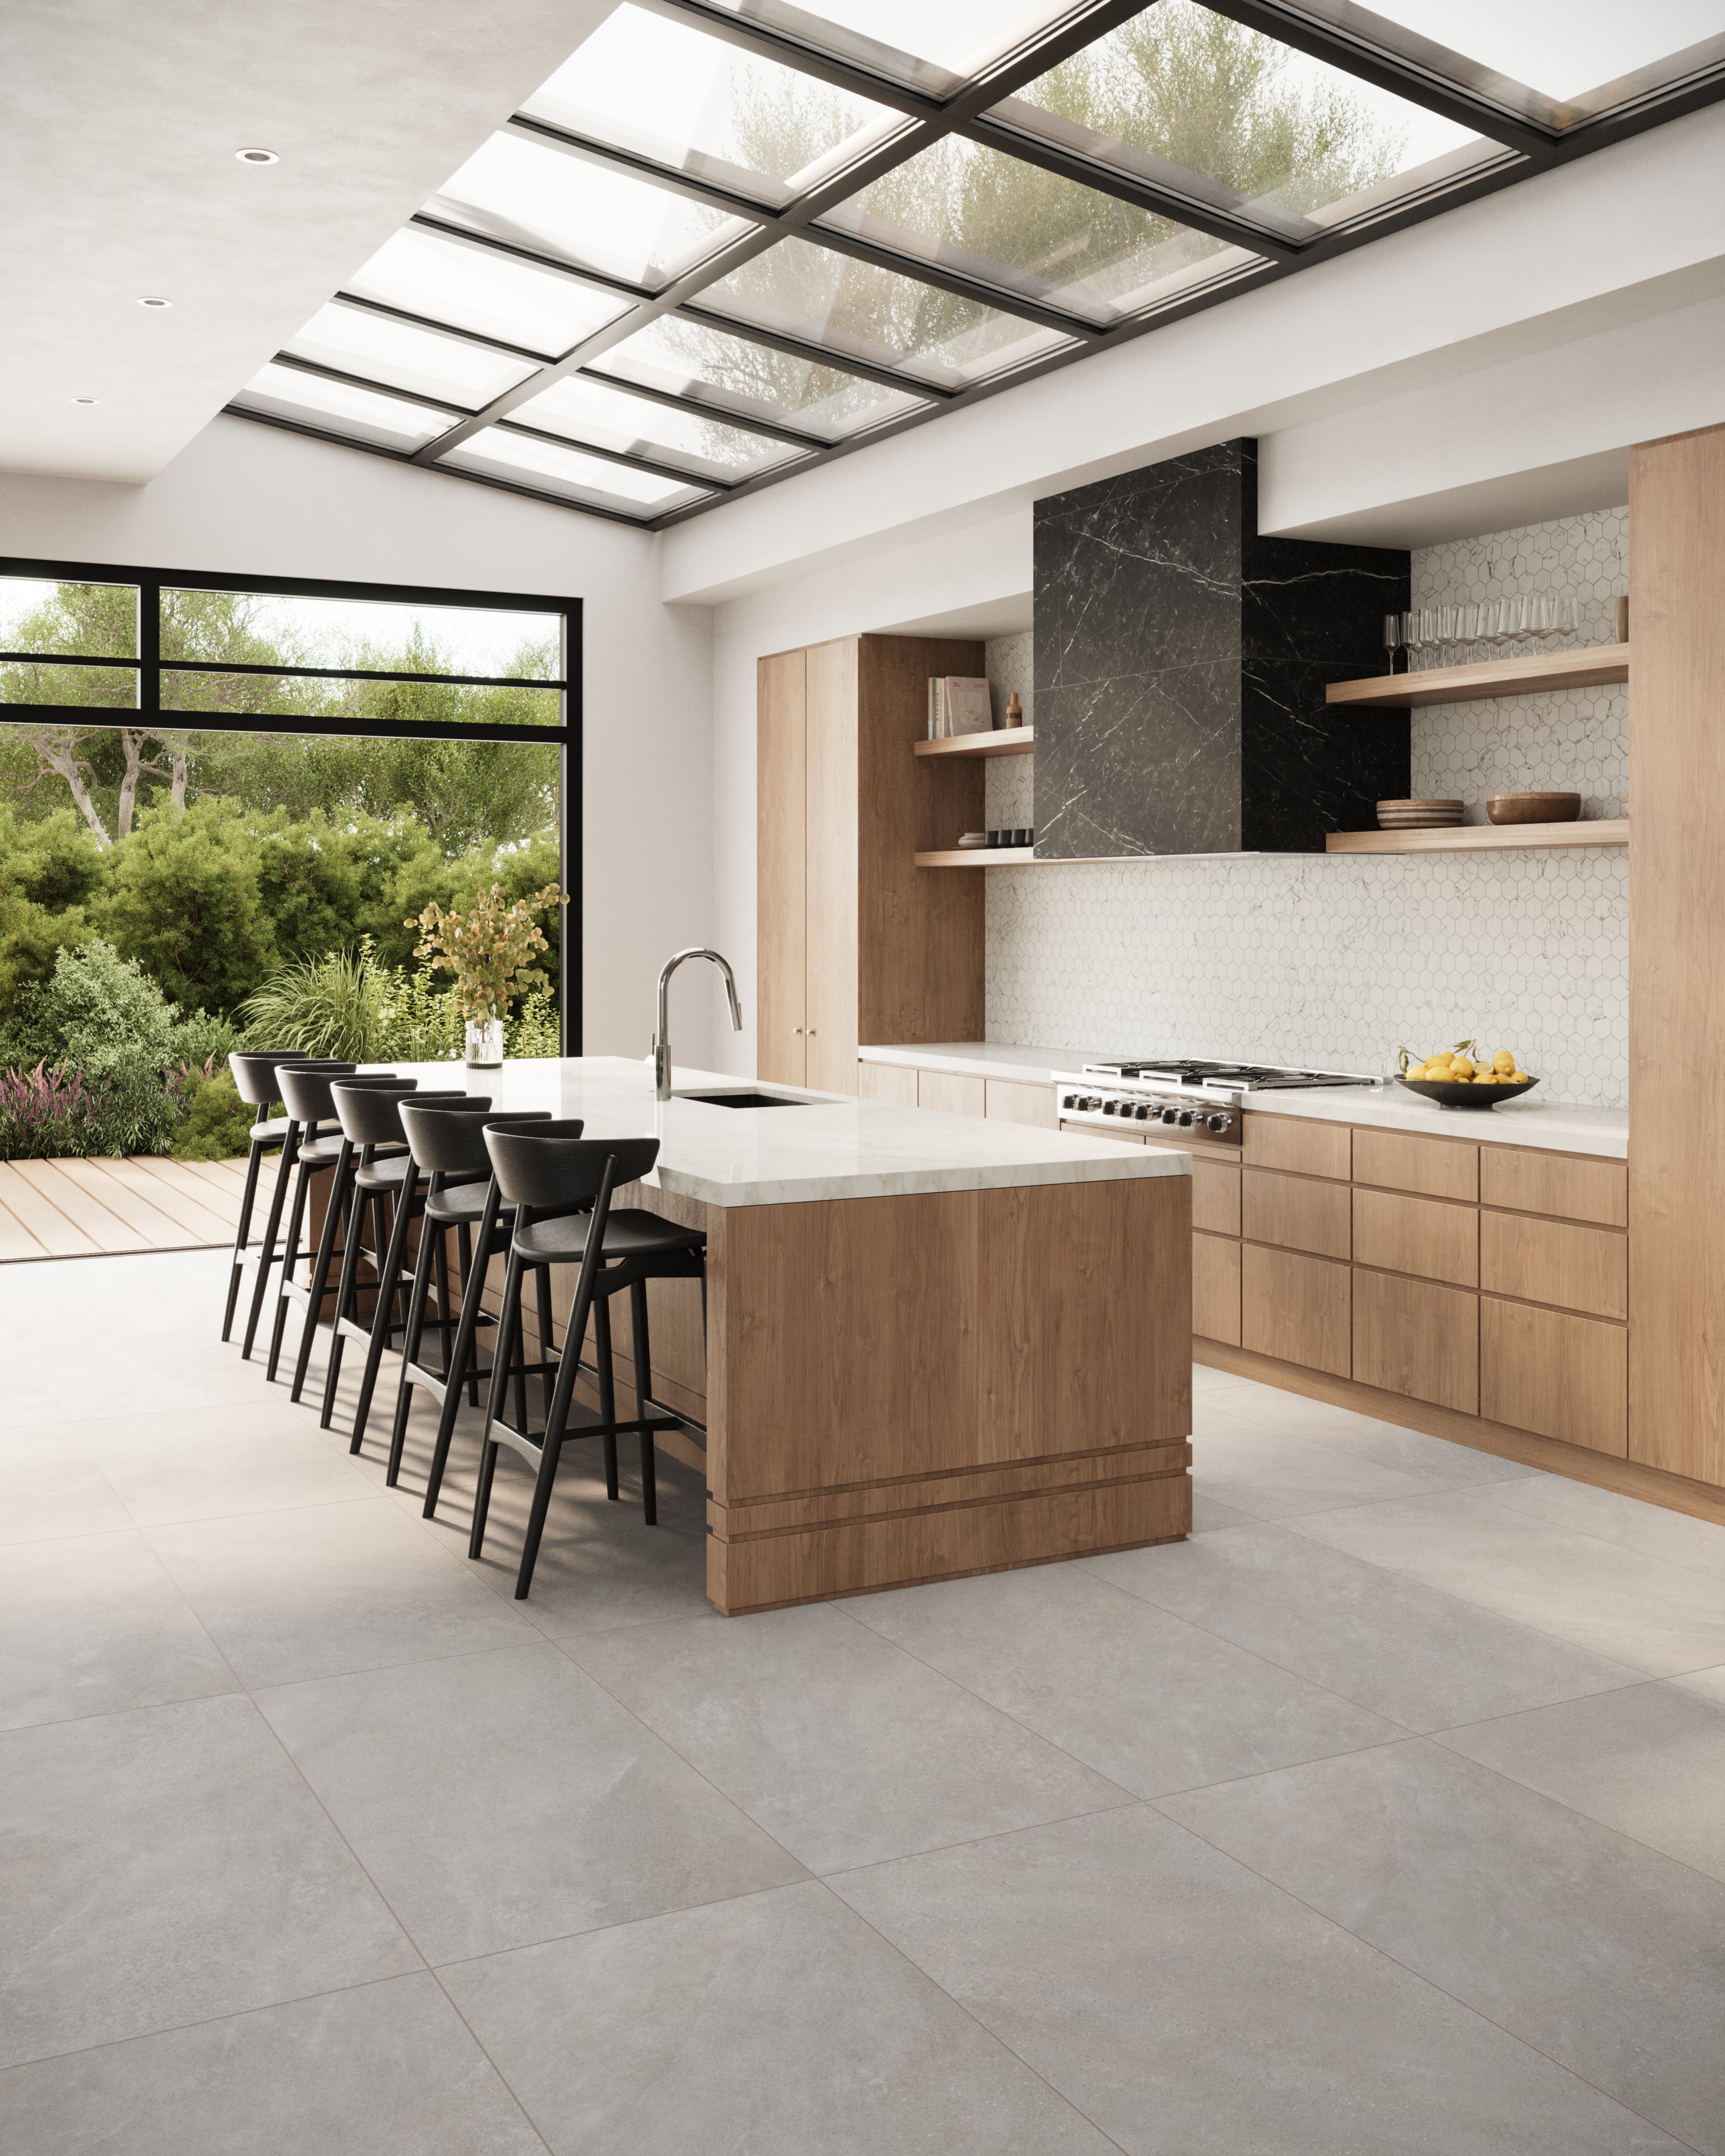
1461,635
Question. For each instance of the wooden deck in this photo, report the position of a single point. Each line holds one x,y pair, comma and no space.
82,1209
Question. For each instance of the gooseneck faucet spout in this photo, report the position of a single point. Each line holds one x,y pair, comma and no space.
661,1039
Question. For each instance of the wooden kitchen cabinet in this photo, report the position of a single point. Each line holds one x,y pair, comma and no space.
1300,1148
1427,1167
949,1093
1563,1376
1564,1185
1012,1100
1417,1337
1294,1211
1424,1236
1215,1288
1555,1261
1297,1308
855,943
892,1082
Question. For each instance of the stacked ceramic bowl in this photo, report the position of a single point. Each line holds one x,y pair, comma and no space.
1418,815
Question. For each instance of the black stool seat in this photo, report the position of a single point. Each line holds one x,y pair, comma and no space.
629,1233
389,1172
459,1203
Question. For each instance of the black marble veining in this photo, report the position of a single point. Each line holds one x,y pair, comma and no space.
1180,666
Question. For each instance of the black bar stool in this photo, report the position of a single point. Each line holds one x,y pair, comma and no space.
301,1132
254,1073
382,1161
561,1187
395,1180
463,1195
305,1095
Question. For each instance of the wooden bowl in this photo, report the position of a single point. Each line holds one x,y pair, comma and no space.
1534,808
1462,1093
1418,815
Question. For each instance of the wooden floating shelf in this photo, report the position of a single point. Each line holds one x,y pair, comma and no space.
1480,838
978,857
1595,667
1004,741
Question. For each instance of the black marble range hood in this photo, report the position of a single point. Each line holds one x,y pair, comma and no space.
1180,667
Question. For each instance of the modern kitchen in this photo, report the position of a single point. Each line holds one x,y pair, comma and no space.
908,1335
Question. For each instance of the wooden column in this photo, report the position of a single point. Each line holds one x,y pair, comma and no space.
1677,955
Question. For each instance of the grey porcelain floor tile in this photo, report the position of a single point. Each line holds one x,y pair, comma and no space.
1209,1513
1706,1684
1191,2009
25,1405
1602,1954
325,1589
1271,1476
1433,1460
1698,1545
157,1368
1649,1615
1385,1642
779,2025
1152,1702
166,1866
841,1746
506,1797
1649,1762
49,1486
214,1460
94,1624
386,2070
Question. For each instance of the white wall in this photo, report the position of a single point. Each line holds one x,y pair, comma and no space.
255,499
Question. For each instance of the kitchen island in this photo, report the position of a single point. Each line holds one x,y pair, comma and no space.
934,1345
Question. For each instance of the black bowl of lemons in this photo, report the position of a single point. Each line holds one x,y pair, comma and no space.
1461,1077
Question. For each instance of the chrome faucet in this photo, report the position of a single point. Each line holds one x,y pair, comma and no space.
661,1039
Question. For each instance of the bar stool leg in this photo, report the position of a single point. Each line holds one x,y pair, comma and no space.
340,1196
542,1283
289,1259
644,1393
346,1300
272,1228
258,1147
464,1258
380,1327
466,1356
608,1388
508,1325
430,1233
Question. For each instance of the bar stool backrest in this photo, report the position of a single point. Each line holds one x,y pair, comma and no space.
550,1173
450,1141
368,1114
305,1093
254,1072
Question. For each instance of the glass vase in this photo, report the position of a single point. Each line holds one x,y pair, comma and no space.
484,1043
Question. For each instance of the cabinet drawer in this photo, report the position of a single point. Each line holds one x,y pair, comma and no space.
1584,1269
1563,1377
1108,1137
1558,1183
1215,1197
1215,1289
1415,1337
1304,1149
945,1090
1424,1236
894,1082
1009,1101
1430,1168
1295,1308
1295,1212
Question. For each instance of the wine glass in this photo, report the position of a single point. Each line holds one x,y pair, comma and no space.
1392,636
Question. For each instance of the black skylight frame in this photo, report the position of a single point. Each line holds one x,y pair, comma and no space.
1343,35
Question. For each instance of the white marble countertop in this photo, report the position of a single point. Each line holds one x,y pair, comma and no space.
835,1146
1547,1125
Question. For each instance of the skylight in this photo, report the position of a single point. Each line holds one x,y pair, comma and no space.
728,239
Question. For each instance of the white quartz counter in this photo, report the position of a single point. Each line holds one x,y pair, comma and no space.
833,1147
982,1059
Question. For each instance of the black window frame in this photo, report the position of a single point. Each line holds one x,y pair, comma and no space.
149,666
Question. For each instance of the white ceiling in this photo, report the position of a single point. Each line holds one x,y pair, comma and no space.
119,122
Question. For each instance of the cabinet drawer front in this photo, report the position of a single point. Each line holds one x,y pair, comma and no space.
1215,1289
1009,1101
1108,1137
1430,1168
1215,1197
1295,1212
1304,1149
1424,1236
1563,1377
1558,1183
895,1082
1415,1338
1584,1269
1295,1308
945,1090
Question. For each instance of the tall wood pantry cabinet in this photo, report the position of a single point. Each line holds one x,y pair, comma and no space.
856,943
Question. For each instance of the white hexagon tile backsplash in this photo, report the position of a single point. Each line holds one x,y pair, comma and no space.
1335,960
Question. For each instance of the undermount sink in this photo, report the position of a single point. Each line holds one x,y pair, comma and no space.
744,1100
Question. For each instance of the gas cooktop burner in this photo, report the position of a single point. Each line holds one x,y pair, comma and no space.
1192,1071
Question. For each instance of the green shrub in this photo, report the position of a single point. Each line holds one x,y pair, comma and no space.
43,1116
101,1016
533,1029
422,1022
334,1005
187,903
216,1123
50,871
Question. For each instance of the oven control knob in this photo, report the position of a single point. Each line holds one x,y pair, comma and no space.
1141,1111
1218,1122
1186,1119
1110,1107
1171,1115
1069,1099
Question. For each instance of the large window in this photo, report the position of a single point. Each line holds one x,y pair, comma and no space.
729,238
343,754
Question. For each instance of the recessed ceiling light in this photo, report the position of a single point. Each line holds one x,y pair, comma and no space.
257,156
86,400
150,301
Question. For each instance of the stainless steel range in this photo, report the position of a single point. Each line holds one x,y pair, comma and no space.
1181,1094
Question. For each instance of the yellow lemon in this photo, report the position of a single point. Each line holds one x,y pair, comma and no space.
1519,1078
1503,1060
1461,1068
1416,1070
1437,1064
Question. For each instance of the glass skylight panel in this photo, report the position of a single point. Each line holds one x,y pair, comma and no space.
447,282
389,421
581,212
931,45
407,358
595,481
396,636
860,311
1028,231
664,91
1180,91
589,411
1579,58
738,375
